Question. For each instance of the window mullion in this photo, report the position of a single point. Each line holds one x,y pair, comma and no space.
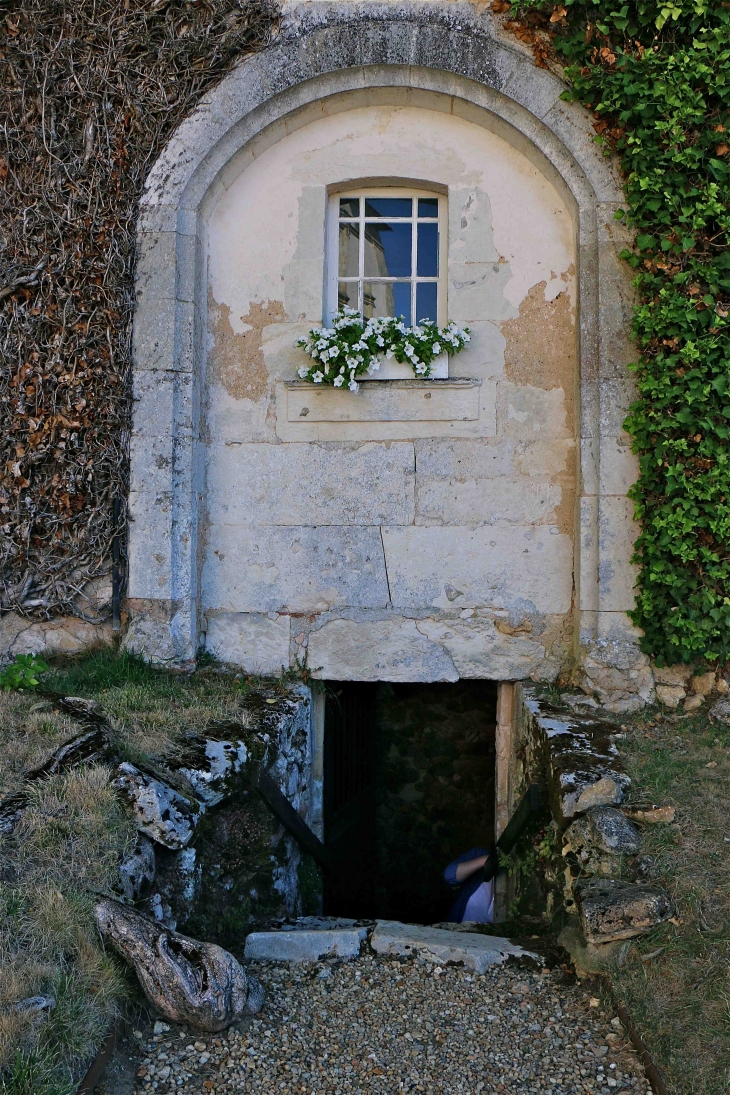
414,255
361,260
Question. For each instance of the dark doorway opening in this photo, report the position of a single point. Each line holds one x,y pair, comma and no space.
408,786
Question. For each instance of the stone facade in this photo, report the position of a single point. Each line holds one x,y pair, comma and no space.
471,527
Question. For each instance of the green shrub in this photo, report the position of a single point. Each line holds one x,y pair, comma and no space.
23,672
657,75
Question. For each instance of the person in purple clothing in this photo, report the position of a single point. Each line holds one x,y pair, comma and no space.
475,900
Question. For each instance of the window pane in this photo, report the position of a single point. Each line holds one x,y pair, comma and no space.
389,207
347,295
428,207
349,250
387,298
349,207
428,250
388,250
426,299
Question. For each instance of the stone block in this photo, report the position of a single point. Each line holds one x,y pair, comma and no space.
670,695
163,403
675,675
600,839
463,568
519,501
619,466
160,812
616,573
571,124
303,945
703,684
150,544
529,413
311,484
294,569
257,642
439,945
721,711
478,649
385,401
610,909
694,702
379,650
471,413
463,460
153,338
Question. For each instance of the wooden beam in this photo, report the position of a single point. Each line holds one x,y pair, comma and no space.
290,819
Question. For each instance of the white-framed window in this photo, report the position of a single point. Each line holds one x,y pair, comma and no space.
386,253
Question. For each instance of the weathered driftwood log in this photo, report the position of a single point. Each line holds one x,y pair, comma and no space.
189,982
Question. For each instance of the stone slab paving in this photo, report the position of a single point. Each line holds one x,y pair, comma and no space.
386,1025
477,952
304,946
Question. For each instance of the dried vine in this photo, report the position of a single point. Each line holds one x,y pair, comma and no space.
90,90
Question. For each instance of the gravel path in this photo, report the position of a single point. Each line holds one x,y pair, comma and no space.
379,1025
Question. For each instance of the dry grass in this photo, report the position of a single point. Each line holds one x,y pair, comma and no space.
66,848
680,999
29,731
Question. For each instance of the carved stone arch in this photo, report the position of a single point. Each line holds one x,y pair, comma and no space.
329,54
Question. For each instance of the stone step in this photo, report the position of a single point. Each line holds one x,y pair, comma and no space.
305,945
441,945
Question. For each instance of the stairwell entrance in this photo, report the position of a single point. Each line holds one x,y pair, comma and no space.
409,784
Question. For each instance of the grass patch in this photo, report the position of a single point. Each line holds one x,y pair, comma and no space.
152,709
66,850
680,999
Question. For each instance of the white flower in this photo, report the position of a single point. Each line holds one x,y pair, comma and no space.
302,372
437,347
373,366
380,340
353,385
318,377
339,381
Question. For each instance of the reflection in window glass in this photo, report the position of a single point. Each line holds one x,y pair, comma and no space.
428,207
349,251
387,250
347,295
387,298
349,207
388,255
427,265
426,301
389,207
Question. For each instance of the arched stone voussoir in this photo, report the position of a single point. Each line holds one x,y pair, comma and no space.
341,42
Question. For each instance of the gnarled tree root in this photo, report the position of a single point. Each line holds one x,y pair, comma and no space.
189,982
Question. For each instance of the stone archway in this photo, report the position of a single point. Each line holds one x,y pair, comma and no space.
330,56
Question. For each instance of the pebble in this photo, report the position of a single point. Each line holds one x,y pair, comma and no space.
385,1026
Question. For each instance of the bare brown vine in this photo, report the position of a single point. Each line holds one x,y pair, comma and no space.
90,90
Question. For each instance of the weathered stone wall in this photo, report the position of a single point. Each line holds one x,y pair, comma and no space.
453,60
392,539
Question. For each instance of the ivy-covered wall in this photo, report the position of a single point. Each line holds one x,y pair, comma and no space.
657,76
89,93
